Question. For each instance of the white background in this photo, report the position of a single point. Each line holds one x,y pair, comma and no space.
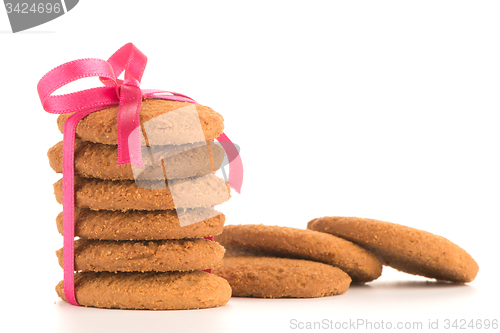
379,109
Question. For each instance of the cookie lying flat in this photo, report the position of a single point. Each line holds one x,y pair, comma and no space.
149,290
145,225
270,277
406,249
165,122
361,265
95,160
140,256
204,191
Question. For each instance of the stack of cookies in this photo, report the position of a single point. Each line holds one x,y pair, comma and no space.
145,233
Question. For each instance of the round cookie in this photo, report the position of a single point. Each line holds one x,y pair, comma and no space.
95,160
361,265
124,195
141,256
145,225
149,290
269,277
406,249
175,123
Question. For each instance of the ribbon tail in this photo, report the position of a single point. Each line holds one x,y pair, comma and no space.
68,190
235,178
128,123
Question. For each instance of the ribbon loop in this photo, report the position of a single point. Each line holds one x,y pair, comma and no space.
128,59
72,71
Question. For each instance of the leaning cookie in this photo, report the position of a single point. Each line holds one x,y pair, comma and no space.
165,122
406,249
149,290
361,265
145,225
95,160
93,193
269,277
141,256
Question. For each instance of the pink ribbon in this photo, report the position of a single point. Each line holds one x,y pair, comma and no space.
212,239
128,96
235,179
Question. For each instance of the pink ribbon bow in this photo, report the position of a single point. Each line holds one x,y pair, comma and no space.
128,95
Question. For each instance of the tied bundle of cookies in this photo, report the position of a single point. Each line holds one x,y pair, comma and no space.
138,189
146,232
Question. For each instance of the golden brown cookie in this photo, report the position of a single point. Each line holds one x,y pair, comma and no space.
141,256
93,193
361,265
149,290
270,277
165,122
145,225
406,249
95,160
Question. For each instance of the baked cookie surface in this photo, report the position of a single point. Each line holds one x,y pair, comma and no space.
140,256
145,225
268,277
149,290
93,193
406,249
171,123
361,265
95,160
